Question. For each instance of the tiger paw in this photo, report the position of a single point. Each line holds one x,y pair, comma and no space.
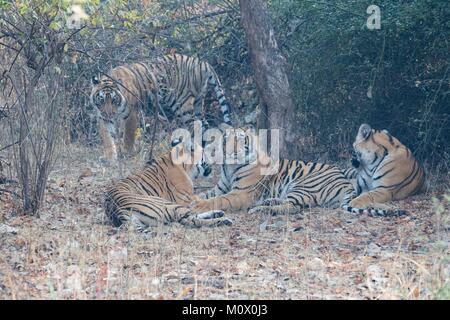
357,203
213,218
253,210
105,161
213,214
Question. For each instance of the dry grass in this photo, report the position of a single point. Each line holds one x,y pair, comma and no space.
70,252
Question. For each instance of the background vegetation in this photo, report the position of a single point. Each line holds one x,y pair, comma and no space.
342,74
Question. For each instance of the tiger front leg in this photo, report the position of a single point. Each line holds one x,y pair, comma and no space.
211,193
129,128
214,218
234,200
293,203
371,198
109,146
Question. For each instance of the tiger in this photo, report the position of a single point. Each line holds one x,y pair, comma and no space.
293,186
174,85
161,193
384,169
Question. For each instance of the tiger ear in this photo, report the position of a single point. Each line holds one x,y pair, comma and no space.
95,80
364,131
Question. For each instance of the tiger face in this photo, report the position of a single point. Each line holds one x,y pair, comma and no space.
371,145
194,161
386,169
107,99
199,168
239,144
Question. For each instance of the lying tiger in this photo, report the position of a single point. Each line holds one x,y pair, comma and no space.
161,193
299,184
296,184
385,170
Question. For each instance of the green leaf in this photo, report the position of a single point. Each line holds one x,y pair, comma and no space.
55,25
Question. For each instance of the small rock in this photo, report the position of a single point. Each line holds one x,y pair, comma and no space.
236,295
316,264
296,229
373,249
187,280
218,283
263,226
387,254
242,267
376,277
85,174
7,229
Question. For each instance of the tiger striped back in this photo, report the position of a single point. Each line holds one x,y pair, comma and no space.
174,86
183,83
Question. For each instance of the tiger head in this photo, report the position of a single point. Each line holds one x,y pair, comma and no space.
107,99
239,143
371,145
192,158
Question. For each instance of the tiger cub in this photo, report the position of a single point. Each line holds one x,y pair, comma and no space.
385,170
161,193
174,86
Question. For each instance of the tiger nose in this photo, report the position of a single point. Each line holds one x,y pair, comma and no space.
108,113
108,106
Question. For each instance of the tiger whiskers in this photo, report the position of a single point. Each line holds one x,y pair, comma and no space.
213,218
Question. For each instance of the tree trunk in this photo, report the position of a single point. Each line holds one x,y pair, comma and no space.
270,75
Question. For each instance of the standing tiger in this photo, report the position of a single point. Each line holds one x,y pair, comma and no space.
295,185
175,84
161,193
386,170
